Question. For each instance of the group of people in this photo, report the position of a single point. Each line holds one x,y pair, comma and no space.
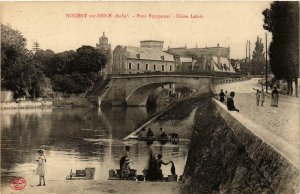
228,100
162,134
152,173
260,97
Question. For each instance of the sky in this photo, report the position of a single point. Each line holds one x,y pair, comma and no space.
56,25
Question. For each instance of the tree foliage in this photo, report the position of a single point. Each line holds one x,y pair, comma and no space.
35,74
282,19
258,57
20,71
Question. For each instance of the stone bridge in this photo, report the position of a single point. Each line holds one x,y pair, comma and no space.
134,90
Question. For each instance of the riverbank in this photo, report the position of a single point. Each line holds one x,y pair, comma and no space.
217,162
26,104
72,102
95,187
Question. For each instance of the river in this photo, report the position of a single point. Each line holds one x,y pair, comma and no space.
75,138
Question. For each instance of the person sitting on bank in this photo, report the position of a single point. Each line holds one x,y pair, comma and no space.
230,102
125,172
159,162
163,134
149,133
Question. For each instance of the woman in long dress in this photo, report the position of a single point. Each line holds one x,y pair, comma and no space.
41,167
275,97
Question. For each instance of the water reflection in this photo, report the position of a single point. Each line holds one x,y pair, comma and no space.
74,139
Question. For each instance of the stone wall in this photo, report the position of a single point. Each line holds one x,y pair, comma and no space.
225,157
282,173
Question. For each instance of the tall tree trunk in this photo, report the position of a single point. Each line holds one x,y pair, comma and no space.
296,86
289,87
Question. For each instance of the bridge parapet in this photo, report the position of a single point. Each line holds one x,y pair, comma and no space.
134,89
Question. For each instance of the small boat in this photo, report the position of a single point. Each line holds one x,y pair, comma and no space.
86,174
172,137
116,175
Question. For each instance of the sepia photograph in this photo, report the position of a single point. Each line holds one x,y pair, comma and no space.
150,97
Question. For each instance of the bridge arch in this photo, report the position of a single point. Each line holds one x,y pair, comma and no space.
135,90
139,95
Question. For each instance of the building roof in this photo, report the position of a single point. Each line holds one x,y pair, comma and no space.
151,41
148,53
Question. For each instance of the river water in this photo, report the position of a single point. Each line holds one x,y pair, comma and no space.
75,138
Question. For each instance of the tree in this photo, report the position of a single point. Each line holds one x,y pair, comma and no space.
35,46
60,63
19,70
88,59
12,47
282,19
258,57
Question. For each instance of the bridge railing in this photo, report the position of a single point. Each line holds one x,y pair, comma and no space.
205,73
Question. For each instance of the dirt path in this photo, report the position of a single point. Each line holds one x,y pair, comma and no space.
283,121
97,187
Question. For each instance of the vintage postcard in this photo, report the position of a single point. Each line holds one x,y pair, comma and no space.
150,97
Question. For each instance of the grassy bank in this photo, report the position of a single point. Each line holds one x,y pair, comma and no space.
217,162
77,101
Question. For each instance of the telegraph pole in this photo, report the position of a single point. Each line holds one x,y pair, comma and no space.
266,63
250,64
246,51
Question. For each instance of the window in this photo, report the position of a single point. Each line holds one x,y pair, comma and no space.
146,66
170,67
138,56
138,66
162,68
129,66
154,67
162,58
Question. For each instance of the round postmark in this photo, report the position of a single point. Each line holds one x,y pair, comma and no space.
17,183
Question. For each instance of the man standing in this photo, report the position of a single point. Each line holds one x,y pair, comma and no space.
262,97
222,96
159,162
257,97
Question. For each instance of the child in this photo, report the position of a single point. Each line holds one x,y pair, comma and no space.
40,170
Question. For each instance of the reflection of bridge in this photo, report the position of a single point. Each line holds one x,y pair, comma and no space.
133,90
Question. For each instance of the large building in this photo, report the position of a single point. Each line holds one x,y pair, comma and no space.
106,48
152,44
147,58
209,58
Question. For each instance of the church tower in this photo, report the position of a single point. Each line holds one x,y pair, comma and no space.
103,43
104,46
